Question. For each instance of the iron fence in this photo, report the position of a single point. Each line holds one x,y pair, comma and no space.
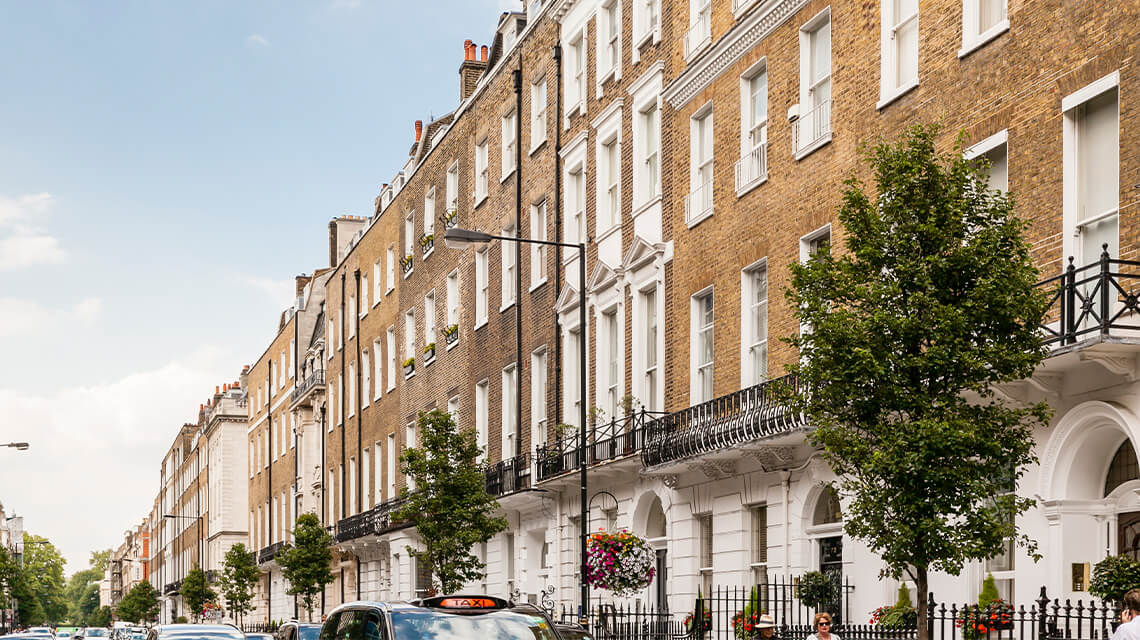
261,627
375,521
508,476
726,611
270,552
1095,299
742,416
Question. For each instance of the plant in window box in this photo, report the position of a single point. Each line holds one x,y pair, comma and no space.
429,351
406,263
427,241
451,333
450,218
409,366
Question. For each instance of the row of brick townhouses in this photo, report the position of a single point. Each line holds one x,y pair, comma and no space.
697,148
127,566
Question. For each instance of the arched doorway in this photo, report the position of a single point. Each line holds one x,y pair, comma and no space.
1124,468
649,520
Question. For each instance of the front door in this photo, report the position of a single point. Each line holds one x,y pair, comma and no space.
831,565
661,581
1128,534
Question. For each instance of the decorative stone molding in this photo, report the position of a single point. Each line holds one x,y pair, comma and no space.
729,49
772,458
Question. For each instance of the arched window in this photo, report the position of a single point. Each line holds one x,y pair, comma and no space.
827,508
1123,468
655,522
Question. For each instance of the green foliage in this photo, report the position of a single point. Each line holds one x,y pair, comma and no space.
196,591
450,508
1113,577
305,564
101,617
9,576
239,575
88,604
181,620
902,614
932,305
99,560
989,593
140,604
817,589
76,588
43,578
902,601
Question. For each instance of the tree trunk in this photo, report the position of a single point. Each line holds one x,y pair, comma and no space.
921,585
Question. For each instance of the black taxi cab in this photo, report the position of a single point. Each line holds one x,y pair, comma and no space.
455,617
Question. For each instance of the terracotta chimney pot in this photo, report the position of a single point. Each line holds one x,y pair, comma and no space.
419,129
483,54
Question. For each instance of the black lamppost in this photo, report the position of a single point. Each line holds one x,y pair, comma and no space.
456,238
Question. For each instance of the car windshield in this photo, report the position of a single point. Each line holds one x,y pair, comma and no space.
437,625
96,633
309,633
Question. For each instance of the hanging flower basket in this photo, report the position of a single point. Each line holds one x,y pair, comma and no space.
620,562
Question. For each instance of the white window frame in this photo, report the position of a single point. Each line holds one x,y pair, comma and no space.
646,93
391,352
538,113
378,365
410,443
429,322
482,288
697,331
1074,218
748,307
699,34
451,189
508,264
973,38
891,86
538,388
752,169
610,360
353,313
482,399
607,44
608,172
575,77
809,112
390,467
390,280
699,203
646,343
507,146
646,25
481,178
365,303
410,337
453,303
987,146
538,266
409,238
509,407
377,278
429,217
365,376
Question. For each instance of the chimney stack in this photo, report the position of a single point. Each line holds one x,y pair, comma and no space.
419,129
483,54
471,69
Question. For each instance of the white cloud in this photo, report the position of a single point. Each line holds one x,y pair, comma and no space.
257,40
19,317
93,466
23,243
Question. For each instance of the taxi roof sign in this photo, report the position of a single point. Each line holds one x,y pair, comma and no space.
465,602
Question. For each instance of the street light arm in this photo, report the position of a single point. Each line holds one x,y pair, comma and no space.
483,237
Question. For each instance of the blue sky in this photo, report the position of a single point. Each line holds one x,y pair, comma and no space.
166,168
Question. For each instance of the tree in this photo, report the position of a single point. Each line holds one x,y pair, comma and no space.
99,560
1113,577
9,576
196,591
89,604
931,306
140,604
239,575
450,507
43,573
305,564
76,586
100,618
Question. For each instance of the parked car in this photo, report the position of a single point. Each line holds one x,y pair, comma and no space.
294,630
92,632
195,632
259,636
455,617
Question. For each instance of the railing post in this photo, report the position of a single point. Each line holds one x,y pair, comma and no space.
1105,277
1042,604
1068,306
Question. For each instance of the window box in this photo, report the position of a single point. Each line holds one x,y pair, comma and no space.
427,242
451,334
429,352
409,367
406,263
450,218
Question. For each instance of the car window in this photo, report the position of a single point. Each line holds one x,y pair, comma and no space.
502,625
349,625
309,633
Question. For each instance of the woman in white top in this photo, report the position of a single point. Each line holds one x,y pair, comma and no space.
822,625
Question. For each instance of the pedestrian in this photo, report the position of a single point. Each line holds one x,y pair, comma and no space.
822,625
1129,628
767,627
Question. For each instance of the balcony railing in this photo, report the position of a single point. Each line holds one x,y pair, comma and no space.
699,203
312,381
172,587
743,416
270,552
509,476
698,35
812,127
1096,300
752,168
375,521
406,263
619,438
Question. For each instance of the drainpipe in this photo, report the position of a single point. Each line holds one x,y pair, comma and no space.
297,484
359,417
324,489
557,54
269,484
344,423
518,261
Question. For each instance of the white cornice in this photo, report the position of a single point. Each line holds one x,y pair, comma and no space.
560,9
729,49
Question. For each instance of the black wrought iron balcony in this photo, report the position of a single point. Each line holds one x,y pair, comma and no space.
619,438
743,416
1097,300
172,588
375,521
315,380
509,476
269,553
